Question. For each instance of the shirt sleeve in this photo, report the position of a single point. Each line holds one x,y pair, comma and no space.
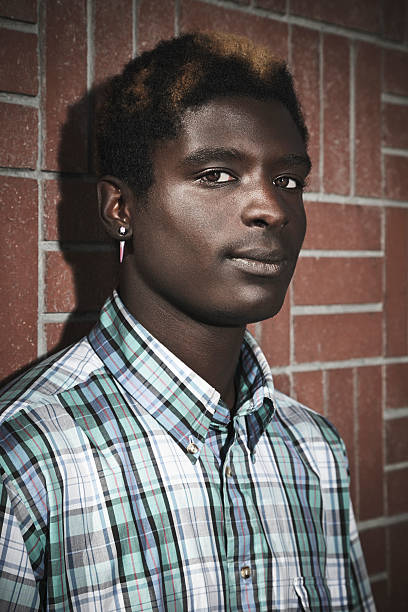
18,588
362,595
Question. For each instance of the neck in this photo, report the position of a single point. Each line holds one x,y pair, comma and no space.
210,351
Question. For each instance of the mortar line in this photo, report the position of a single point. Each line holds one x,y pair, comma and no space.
41,55
20,26
352,116
291,337
394,151
394,467
388,98
312,24
20,99
382,521
329,198
312,366
134,27
176,17
324,253
356,436
52,246
325,385
395,413
321,115
334,309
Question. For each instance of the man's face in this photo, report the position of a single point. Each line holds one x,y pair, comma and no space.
220,232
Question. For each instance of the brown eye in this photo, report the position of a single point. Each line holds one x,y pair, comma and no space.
286,182
216,177
213,176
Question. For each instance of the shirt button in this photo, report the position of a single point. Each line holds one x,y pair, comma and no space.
228,471
245,571
192,448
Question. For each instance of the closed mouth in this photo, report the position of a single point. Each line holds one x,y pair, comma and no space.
265,266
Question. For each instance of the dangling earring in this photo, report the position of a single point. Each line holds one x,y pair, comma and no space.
122,231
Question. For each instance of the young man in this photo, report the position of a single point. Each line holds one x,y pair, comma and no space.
152,466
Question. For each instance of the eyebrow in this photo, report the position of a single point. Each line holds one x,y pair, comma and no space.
295,160
208,154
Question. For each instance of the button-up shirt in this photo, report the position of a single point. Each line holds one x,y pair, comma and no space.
127,485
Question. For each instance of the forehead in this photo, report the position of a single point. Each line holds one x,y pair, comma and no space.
259,125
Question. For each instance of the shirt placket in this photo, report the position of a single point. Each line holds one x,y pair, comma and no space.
237,530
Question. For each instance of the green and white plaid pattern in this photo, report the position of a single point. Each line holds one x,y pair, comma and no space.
103,507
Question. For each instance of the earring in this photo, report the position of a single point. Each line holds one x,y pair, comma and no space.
122,231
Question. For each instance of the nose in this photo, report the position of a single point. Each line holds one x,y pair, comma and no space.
265,207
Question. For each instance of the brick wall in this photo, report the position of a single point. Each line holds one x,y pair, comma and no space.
340,342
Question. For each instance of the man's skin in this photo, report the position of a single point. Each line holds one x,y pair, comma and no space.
215,241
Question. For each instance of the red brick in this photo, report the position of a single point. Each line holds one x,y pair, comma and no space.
395,17
282,383
396,177
78,280
397,385
23,10
275,337
373,544
397,440
342,226
379,589
18,62
309,389
154,23
334,337
200,16
396,288
340,411
370,441
112,37
278,6
367,120
397,491
398,537
395,72
336,91
356,15
66,53
396,126
66,205
60,335
18,277
338,280
18,136
306,73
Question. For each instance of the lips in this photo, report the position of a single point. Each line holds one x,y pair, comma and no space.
261,262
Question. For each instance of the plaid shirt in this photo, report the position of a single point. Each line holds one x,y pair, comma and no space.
126,487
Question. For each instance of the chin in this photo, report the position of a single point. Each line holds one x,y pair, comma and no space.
241,314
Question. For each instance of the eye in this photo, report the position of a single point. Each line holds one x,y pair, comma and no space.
215,177
287,182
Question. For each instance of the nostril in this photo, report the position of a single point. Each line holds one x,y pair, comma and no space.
260,223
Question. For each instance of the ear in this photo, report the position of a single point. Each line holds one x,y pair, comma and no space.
114,200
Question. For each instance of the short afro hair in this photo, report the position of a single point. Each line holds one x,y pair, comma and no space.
145,103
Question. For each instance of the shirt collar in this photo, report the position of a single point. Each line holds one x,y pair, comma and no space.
178,398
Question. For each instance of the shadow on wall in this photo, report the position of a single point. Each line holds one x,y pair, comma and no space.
79,277
90,254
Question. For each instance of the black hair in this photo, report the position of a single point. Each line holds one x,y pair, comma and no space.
145,103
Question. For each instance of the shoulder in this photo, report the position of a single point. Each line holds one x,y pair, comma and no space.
313,433
303,418
42,384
